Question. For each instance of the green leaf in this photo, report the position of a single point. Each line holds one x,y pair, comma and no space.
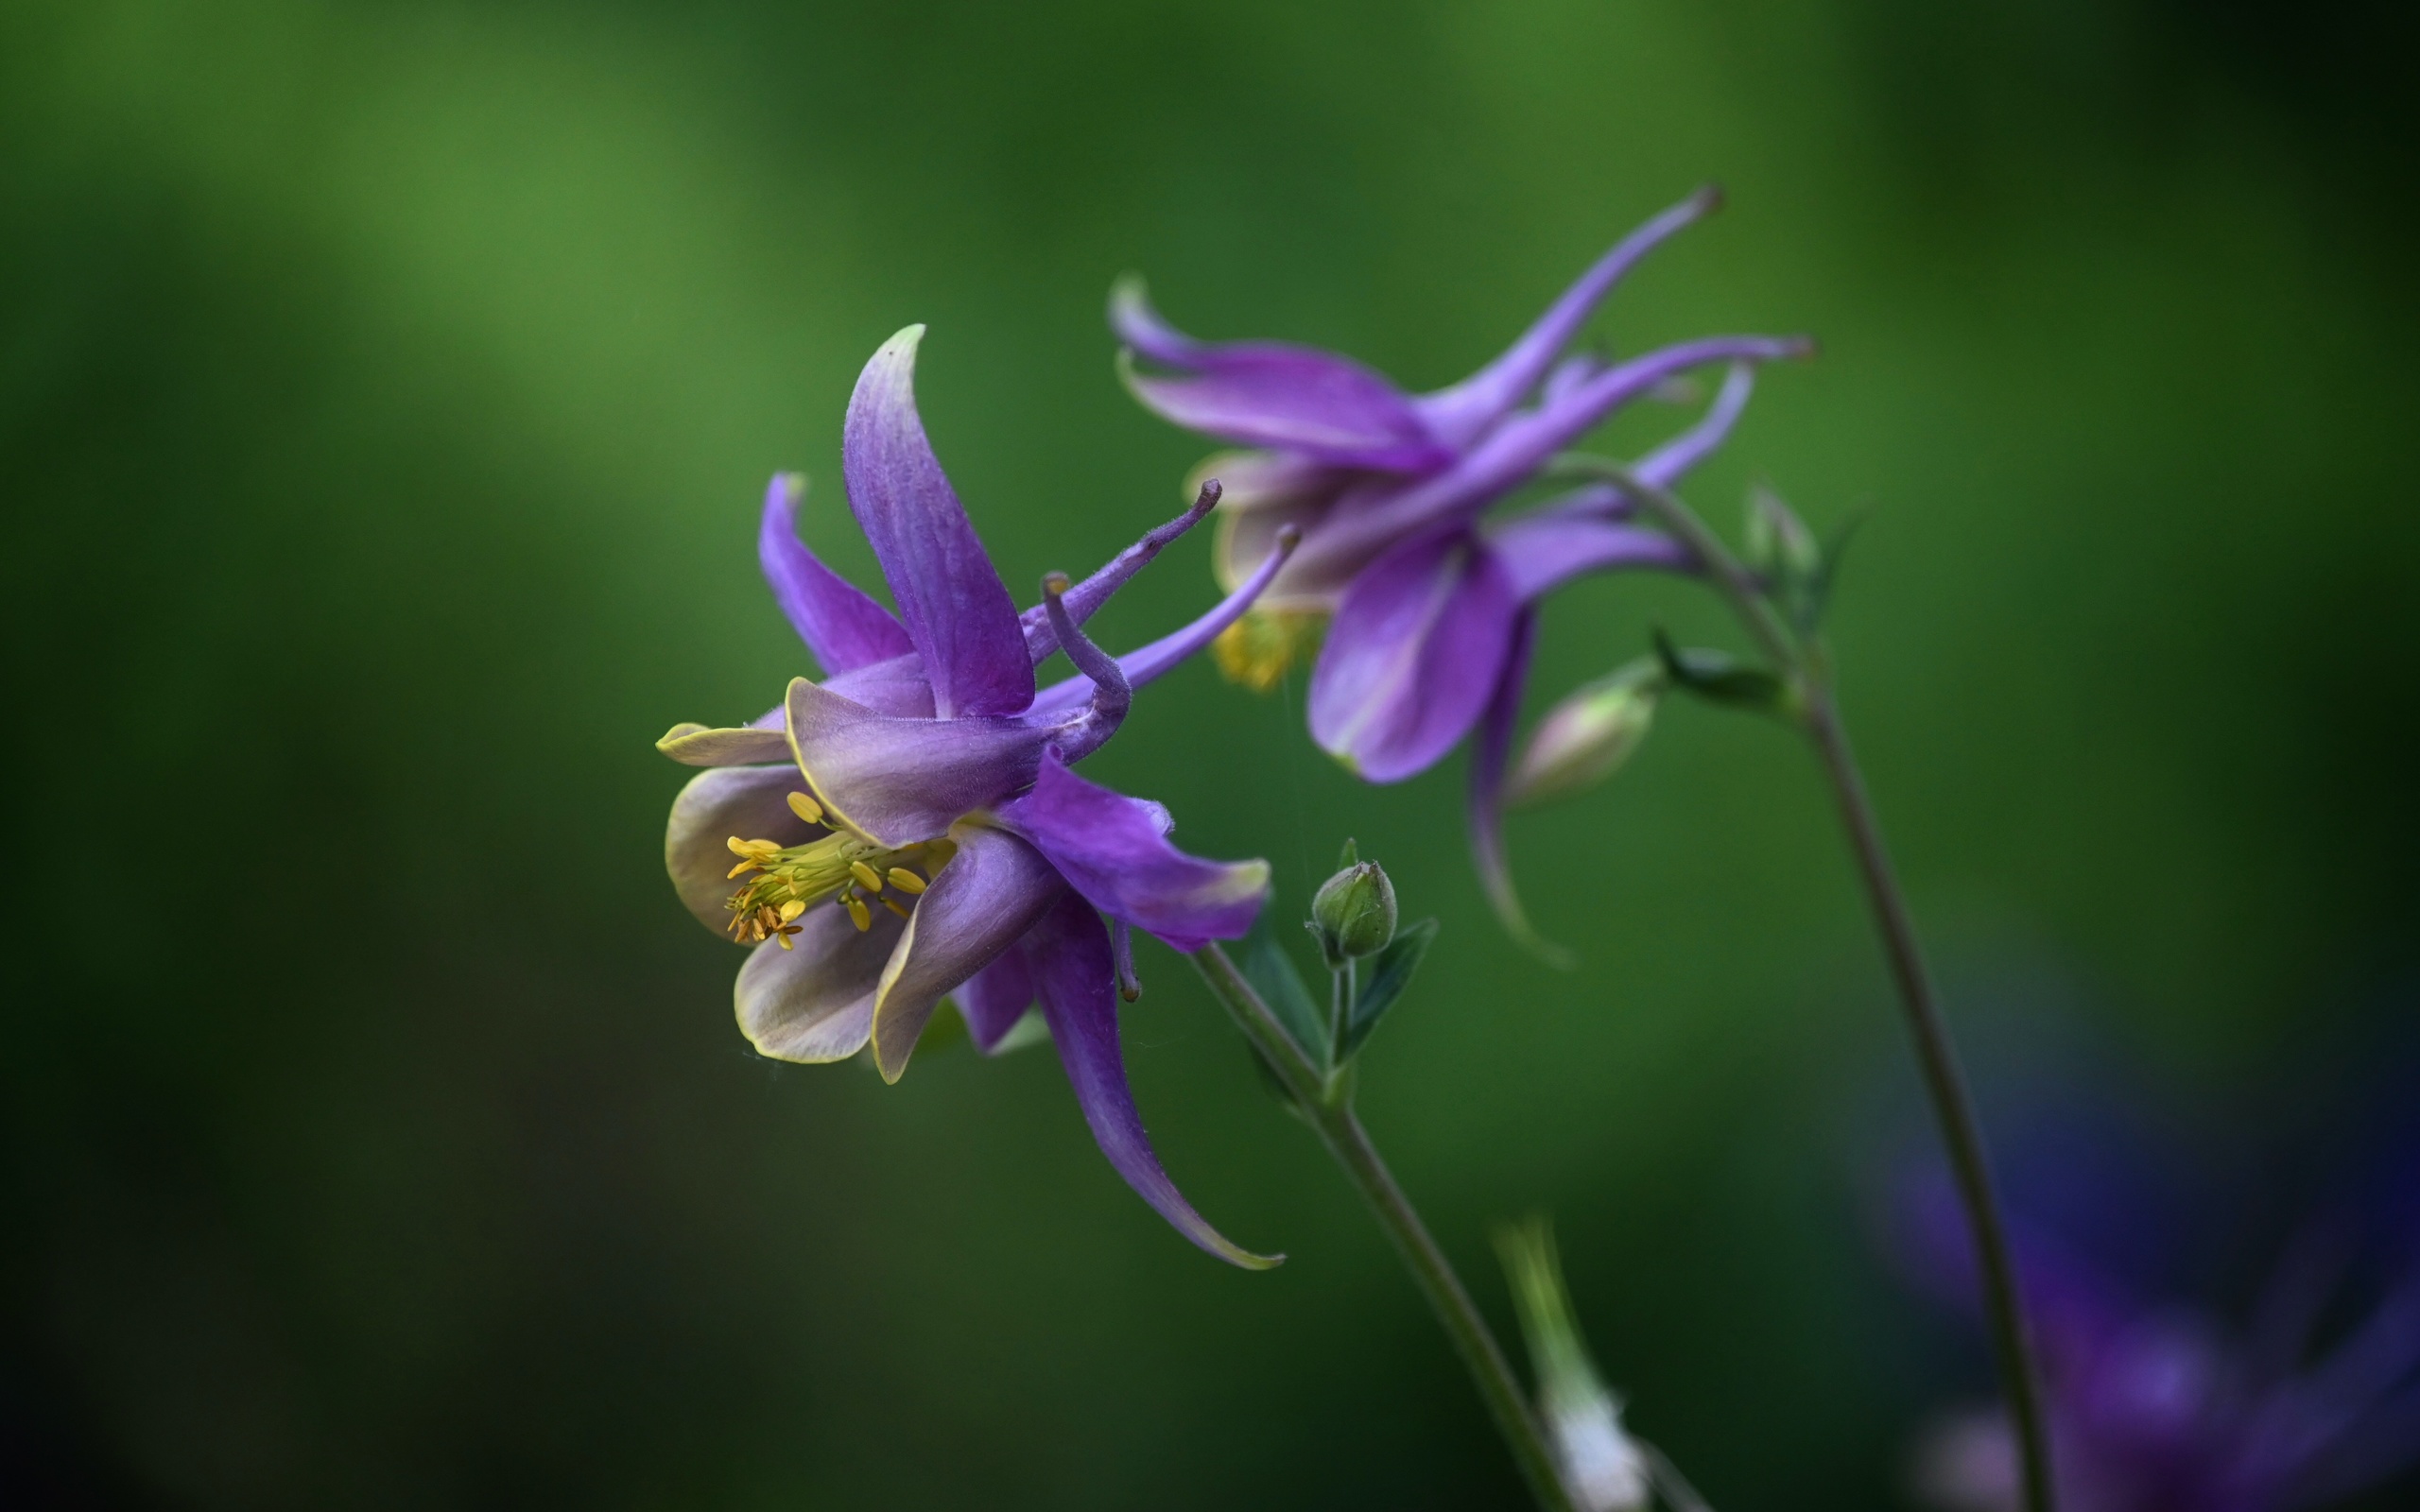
1719,677
1818,587
1350,856
1390,974
1272,974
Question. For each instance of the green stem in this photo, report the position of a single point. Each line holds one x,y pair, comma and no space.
1953,1104
1350,1143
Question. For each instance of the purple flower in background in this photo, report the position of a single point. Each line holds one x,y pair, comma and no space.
2157,1404
1429,605
908,827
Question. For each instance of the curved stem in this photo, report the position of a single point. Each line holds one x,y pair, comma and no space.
1341,1132
1953,1104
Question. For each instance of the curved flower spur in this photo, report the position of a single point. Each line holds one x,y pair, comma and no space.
1427,608
921,835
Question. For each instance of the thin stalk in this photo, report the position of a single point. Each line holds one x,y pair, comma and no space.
1808,672
1341,1132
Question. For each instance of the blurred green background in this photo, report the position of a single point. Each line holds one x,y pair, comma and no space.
386,395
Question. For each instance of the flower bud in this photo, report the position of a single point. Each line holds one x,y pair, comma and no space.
1779,542
1586,737
1355,911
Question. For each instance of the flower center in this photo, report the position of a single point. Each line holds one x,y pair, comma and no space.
785,880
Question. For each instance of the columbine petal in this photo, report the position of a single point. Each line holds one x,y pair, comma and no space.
1114,849
958,612
1068,956
1489,753
814,1002
1169,651
1668,463
1416,649
840,625
1314,403
991,892
1541,552
1142,327
1085,599
1460,414
752,802
993,999
901,781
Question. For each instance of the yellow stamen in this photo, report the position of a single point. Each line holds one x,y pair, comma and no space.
806,808
905,881
1259,649
860,914
792,909
745,866
752,849
867,877
892,903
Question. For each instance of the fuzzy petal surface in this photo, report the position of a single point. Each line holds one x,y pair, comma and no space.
1418,643
1069,956
901,780
814,1002
752,802
841,624
1114,849
991,892
958,612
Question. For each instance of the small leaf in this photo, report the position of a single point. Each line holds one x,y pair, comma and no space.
1272,974
1350,856
1819,586
1719,677
1390,974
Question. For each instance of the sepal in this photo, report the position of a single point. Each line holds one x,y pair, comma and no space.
1390,974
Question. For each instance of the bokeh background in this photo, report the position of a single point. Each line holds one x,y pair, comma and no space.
386,395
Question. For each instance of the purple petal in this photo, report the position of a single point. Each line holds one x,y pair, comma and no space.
1460,414
1486,810
993,999
1069,956
895,687
1085,599
958,612
1363,525
1164,654
1115,850
1417,646
814,1002
1541,552
901,780
1140,326
991,892
752,802
1668,463
843,628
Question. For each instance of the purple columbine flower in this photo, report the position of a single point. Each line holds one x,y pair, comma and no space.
908,827
2155,1403
1429,605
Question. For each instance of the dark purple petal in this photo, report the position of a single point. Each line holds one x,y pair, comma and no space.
1085,599
1417,646
958,612
901,781
993,999
1460,414
1276,394
814,1002
843,628
1164,654
752,802
894,687
1489,751
991,892
1069,956
1115,850
1541,552
1363,524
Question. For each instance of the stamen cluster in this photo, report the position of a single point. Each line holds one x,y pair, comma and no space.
845,867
